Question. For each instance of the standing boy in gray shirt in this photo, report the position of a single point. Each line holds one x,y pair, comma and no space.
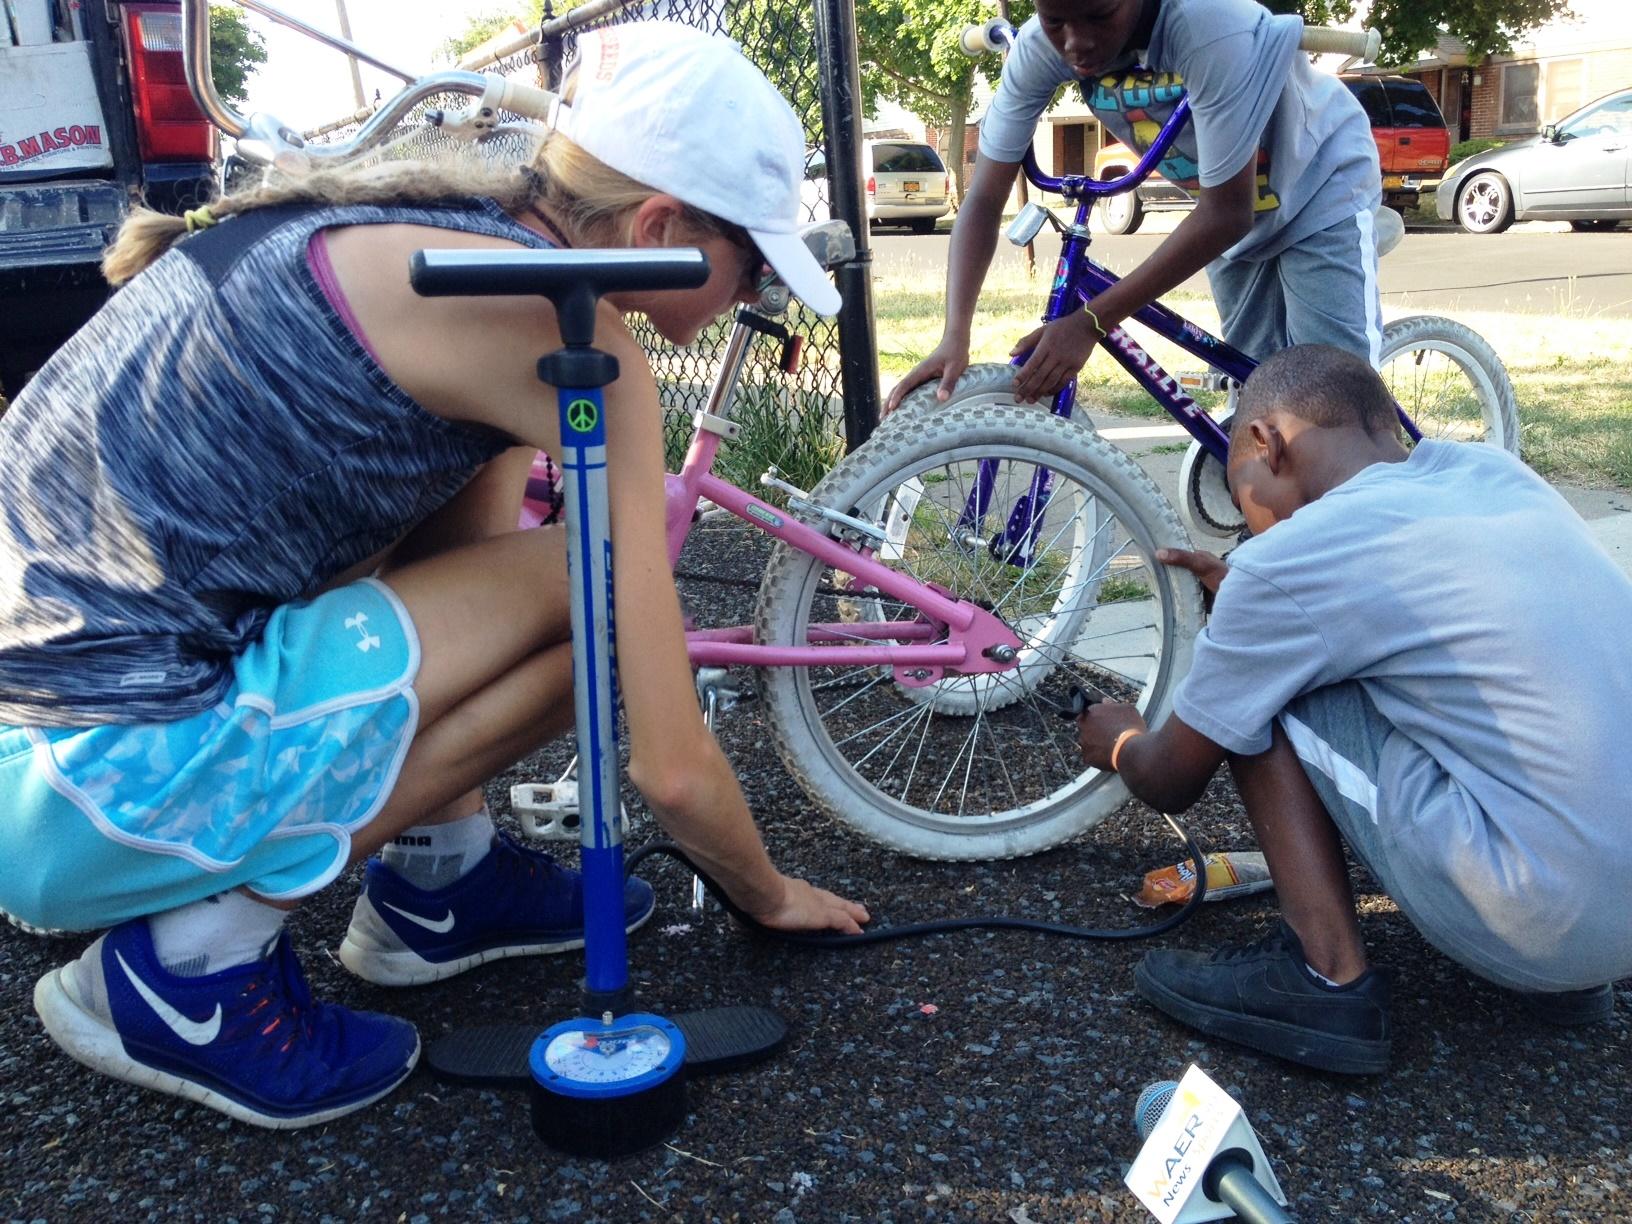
1280,156
1423,652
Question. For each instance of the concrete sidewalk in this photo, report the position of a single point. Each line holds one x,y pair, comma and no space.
1608,512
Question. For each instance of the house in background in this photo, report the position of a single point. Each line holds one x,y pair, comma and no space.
1550,72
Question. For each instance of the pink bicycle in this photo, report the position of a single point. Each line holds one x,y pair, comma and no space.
913,651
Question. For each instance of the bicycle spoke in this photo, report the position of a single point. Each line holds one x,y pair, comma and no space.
898,715
948,778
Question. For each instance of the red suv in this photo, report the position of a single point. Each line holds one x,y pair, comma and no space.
1413,145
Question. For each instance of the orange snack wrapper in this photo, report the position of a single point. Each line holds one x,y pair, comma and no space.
1234,873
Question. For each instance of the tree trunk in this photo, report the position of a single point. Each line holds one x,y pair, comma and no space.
957,136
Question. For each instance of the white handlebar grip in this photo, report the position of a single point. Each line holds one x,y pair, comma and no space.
981,39
528,101
1364,43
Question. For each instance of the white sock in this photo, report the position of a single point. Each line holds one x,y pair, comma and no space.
213,934
1321,977
434,856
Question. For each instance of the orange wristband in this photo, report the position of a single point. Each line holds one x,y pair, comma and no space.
1116,748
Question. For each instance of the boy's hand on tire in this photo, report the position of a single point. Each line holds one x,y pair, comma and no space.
947,362
1208,569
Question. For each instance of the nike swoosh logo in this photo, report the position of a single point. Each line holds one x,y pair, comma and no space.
441,928
193,1032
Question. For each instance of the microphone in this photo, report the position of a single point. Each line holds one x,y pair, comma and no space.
1200,1161
1151,1105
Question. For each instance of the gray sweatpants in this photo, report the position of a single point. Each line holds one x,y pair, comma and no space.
1322,290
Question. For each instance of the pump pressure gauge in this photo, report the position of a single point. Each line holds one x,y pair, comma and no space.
608,1087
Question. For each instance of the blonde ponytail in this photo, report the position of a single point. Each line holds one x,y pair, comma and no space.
591,202
143,237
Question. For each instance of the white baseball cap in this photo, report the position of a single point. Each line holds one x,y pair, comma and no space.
686,114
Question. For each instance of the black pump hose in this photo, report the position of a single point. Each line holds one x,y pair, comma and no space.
810,939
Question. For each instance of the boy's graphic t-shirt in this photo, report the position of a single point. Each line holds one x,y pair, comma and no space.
1134,103
1252,94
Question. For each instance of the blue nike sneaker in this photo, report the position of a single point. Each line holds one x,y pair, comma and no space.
515,902
248,1041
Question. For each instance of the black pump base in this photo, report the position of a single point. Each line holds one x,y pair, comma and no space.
604,1129
718,1039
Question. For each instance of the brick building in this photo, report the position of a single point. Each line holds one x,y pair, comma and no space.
1550,72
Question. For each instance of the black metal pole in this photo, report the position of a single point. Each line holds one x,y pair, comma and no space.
552,49
835,23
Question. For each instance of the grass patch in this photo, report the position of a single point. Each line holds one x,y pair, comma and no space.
796,429
1572,376
1571,370
1121,590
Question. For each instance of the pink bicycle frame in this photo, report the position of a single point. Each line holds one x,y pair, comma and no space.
949,635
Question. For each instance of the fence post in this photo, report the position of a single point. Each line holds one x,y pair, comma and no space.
552,49
835,26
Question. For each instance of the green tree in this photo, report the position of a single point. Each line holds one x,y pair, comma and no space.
482,26
910,54
1486,27
235,52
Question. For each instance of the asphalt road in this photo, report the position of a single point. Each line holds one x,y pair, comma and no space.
981,1077
1533,268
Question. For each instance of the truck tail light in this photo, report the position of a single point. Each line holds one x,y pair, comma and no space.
169,125
872,185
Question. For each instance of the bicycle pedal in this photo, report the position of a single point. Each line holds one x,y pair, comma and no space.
548,811
1204,380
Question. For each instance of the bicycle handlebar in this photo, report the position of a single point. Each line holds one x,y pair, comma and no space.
1363,43
993,35
264,139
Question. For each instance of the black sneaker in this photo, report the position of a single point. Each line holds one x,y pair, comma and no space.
1264,995
1568,1008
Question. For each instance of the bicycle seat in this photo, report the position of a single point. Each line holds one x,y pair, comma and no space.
1390,228
831,242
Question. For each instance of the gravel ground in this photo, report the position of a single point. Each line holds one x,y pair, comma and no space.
969,1077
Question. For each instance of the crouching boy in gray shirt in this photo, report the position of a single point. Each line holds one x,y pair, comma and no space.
1419,652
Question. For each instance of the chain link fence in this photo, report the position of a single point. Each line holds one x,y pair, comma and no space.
796,422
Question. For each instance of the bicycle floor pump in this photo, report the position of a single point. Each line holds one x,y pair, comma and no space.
612,1080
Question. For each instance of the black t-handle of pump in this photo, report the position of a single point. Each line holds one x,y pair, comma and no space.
573,280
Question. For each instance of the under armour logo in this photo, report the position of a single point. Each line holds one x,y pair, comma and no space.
366,641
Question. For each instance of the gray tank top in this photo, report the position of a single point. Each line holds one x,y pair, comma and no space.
215,442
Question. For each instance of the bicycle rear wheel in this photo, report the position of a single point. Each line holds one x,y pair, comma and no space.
980,766
1450,382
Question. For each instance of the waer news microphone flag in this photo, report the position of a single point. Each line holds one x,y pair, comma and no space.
1201,1160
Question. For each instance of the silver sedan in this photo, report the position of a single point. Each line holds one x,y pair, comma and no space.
1577,170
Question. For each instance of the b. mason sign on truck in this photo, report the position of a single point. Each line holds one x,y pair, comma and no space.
93,115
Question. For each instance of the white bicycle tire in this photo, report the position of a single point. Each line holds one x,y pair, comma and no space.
964,433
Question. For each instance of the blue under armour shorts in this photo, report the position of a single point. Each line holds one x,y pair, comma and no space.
102,824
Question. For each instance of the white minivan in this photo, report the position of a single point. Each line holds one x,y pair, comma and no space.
907,184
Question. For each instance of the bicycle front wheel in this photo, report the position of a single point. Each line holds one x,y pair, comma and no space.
980,766
1450,382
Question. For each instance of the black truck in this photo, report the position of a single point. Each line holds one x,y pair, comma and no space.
95,115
